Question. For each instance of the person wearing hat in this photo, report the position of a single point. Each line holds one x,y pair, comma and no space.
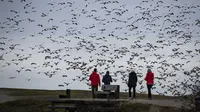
132,83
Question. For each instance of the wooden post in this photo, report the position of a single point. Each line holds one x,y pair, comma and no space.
52,107
197,104
68,93
117,92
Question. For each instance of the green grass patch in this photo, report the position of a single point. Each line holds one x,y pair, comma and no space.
30,92
26,105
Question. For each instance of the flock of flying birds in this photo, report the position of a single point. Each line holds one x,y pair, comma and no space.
156,34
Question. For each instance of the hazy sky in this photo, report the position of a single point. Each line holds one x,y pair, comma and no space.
159,31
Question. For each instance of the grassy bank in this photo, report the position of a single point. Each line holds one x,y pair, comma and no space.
30,105
74,93
41,106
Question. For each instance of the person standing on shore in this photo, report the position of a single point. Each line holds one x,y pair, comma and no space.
132,83
107,79
150,81
95,81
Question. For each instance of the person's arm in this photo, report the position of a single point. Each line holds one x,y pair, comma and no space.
145,78
99,80
90,77
110,79
129,80
103,79
136,78
153,77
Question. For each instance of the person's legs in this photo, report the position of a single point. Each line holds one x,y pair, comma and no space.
93,95
130,92
95,88
134,91
149,90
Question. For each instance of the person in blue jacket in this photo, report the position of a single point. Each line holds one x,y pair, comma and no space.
132,83
107,79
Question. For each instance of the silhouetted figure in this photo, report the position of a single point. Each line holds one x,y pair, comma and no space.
95,81
150,80
107,79
132,83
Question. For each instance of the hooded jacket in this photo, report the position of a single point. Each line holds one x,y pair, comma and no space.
132,81
149,78
107,79
95,79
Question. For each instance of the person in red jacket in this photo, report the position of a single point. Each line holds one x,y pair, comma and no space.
150,80
95,81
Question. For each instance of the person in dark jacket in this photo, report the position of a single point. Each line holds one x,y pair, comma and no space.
95,81
107,79
132,82
150,80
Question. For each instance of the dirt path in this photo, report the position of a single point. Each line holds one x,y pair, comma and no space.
160,102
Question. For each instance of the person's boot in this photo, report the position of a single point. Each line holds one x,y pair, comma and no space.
149,98
134,97
130,98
